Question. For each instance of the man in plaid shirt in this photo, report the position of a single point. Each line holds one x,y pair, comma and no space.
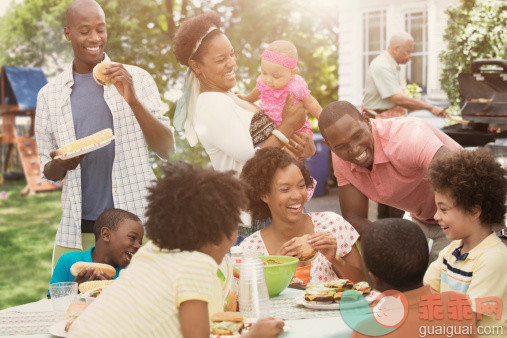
73,106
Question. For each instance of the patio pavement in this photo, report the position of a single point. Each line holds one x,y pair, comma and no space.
330,202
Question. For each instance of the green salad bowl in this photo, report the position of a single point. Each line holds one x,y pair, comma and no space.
279,271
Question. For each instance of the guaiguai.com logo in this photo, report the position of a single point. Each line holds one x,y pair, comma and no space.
390,309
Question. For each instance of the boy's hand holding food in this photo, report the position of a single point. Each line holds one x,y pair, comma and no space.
84,271
90,274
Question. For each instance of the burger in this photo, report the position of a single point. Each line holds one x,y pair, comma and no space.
339,285
73,311
100,77
362,287
308,251
319,294
337,297
226,323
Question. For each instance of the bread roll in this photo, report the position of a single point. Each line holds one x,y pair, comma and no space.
226,323
100,77
76,268
308,251
227,316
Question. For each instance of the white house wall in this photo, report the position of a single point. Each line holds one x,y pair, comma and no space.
350,72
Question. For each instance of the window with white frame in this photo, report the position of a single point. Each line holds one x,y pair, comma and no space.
374,37
416,24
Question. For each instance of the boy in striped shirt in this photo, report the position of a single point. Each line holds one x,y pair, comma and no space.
470,193
192,219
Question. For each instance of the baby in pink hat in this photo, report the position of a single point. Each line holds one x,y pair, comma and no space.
278,78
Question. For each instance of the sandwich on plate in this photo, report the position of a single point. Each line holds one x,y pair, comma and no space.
226,323
318,293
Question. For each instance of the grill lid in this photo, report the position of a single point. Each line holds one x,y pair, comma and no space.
483,93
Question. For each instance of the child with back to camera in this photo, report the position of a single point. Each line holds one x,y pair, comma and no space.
192,220
277,79
470,193
396,254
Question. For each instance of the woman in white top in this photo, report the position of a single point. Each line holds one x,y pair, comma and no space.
279,190
229,128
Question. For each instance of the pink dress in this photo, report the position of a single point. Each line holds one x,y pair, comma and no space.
321,269
273,100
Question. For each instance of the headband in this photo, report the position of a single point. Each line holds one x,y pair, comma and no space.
198,43
280,59
185,107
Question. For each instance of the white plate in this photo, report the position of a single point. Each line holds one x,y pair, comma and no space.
85,150
58,329
301,301
333,306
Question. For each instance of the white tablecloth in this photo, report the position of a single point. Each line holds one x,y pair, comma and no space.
37,315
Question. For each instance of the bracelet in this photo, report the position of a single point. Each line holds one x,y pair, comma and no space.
280,136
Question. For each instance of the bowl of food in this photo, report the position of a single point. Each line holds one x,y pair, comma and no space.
279,271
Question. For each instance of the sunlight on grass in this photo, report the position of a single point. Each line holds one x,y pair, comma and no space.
27,232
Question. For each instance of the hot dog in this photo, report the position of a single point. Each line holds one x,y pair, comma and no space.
76,268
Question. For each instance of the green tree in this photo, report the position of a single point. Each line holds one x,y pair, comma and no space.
31,34
475,30
251,26
140,33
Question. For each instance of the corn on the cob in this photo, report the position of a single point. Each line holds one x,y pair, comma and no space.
86,141
87,286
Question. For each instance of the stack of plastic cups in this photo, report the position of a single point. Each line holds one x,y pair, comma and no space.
253,292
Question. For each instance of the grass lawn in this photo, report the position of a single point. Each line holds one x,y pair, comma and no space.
27,232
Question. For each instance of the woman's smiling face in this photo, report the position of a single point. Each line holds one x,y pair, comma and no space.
216,67
287,195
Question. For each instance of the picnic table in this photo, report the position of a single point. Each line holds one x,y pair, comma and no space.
33,319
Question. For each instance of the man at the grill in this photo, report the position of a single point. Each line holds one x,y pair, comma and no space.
384,91
385,160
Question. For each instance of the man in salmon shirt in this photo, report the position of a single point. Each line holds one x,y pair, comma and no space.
385,160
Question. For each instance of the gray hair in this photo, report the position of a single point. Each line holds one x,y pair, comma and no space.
399,39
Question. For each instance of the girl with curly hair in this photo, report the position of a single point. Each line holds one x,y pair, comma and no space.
279,190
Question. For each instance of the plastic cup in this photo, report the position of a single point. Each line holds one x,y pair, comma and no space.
253,292
62,295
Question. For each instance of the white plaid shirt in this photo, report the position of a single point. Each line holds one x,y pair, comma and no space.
54,127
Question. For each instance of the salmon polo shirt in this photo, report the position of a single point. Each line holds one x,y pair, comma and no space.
403,150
